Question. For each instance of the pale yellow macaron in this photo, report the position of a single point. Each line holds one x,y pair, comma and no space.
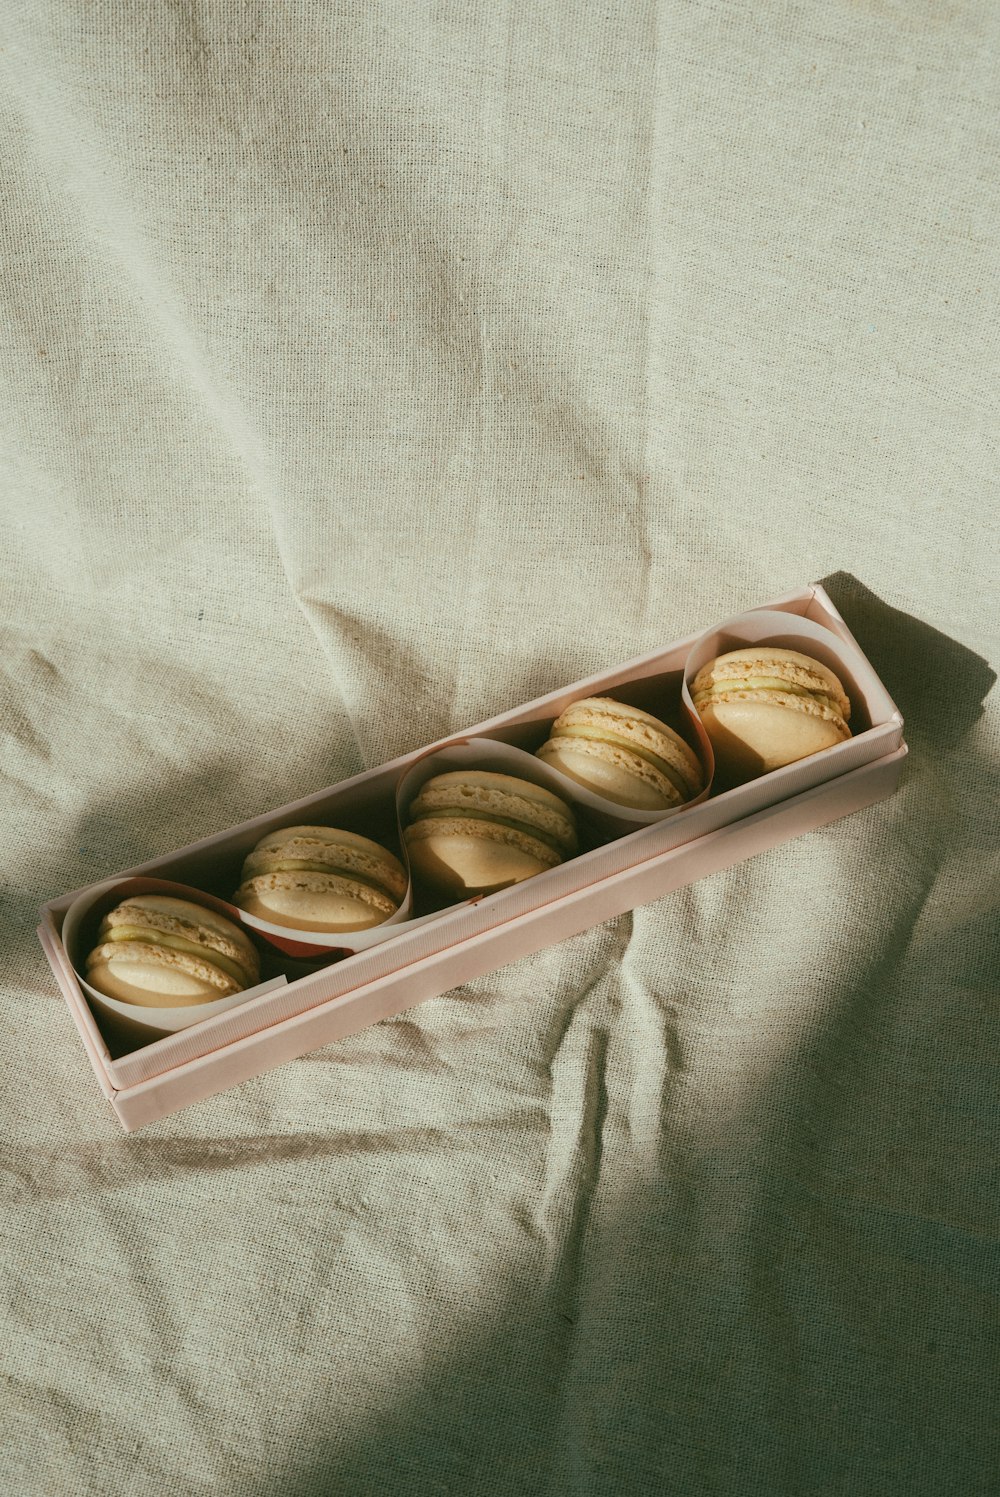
624,754
160,952
321,878
766,706
474,831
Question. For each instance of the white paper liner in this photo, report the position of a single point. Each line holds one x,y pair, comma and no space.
606,819
601,819
95,902
471,753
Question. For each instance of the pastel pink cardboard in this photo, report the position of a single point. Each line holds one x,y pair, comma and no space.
474,938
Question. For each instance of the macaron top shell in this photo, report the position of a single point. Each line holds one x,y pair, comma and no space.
623,753
499,798
772,668
163,915
322,849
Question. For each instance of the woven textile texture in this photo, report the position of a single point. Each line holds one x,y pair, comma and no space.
369,368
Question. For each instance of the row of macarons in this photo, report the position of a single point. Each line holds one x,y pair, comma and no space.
472,832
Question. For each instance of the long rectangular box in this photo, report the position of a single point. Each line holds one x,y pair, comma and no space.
474,938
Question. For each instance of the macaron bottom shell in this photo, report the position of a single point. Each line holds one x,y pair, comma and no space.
751,737
615,774
462,863
132,975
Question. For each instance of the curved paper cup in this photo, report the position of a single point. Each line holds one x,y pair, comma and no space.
788,631
605,818
601,818
86,912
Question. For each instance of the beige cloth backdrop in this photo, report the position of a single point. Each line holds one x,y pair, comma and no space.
368,369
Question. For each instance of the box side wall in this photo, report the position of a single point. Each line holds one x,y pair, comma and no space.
93,1044
825,611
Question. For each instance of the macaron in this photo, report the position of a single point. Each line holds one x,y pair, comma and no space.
321,878
160,952
764,706
473,831
624,754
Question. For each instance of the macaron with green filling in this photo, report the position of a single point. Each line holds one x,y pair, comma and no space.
475,831
624,754
161,952
320,878
765,706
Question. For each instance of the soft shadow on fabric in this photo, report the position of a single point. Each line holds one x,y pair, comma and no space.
776,1312
938,684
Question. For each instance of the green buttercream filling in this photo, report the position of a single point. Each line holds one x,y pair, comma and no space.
465,814
178,943
303,865
768,683
599,735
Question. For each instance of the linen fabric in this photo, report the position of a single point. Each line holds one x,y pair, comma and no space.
368,370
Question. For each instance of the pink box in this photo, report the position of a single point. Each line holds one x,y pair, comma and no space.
476,937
